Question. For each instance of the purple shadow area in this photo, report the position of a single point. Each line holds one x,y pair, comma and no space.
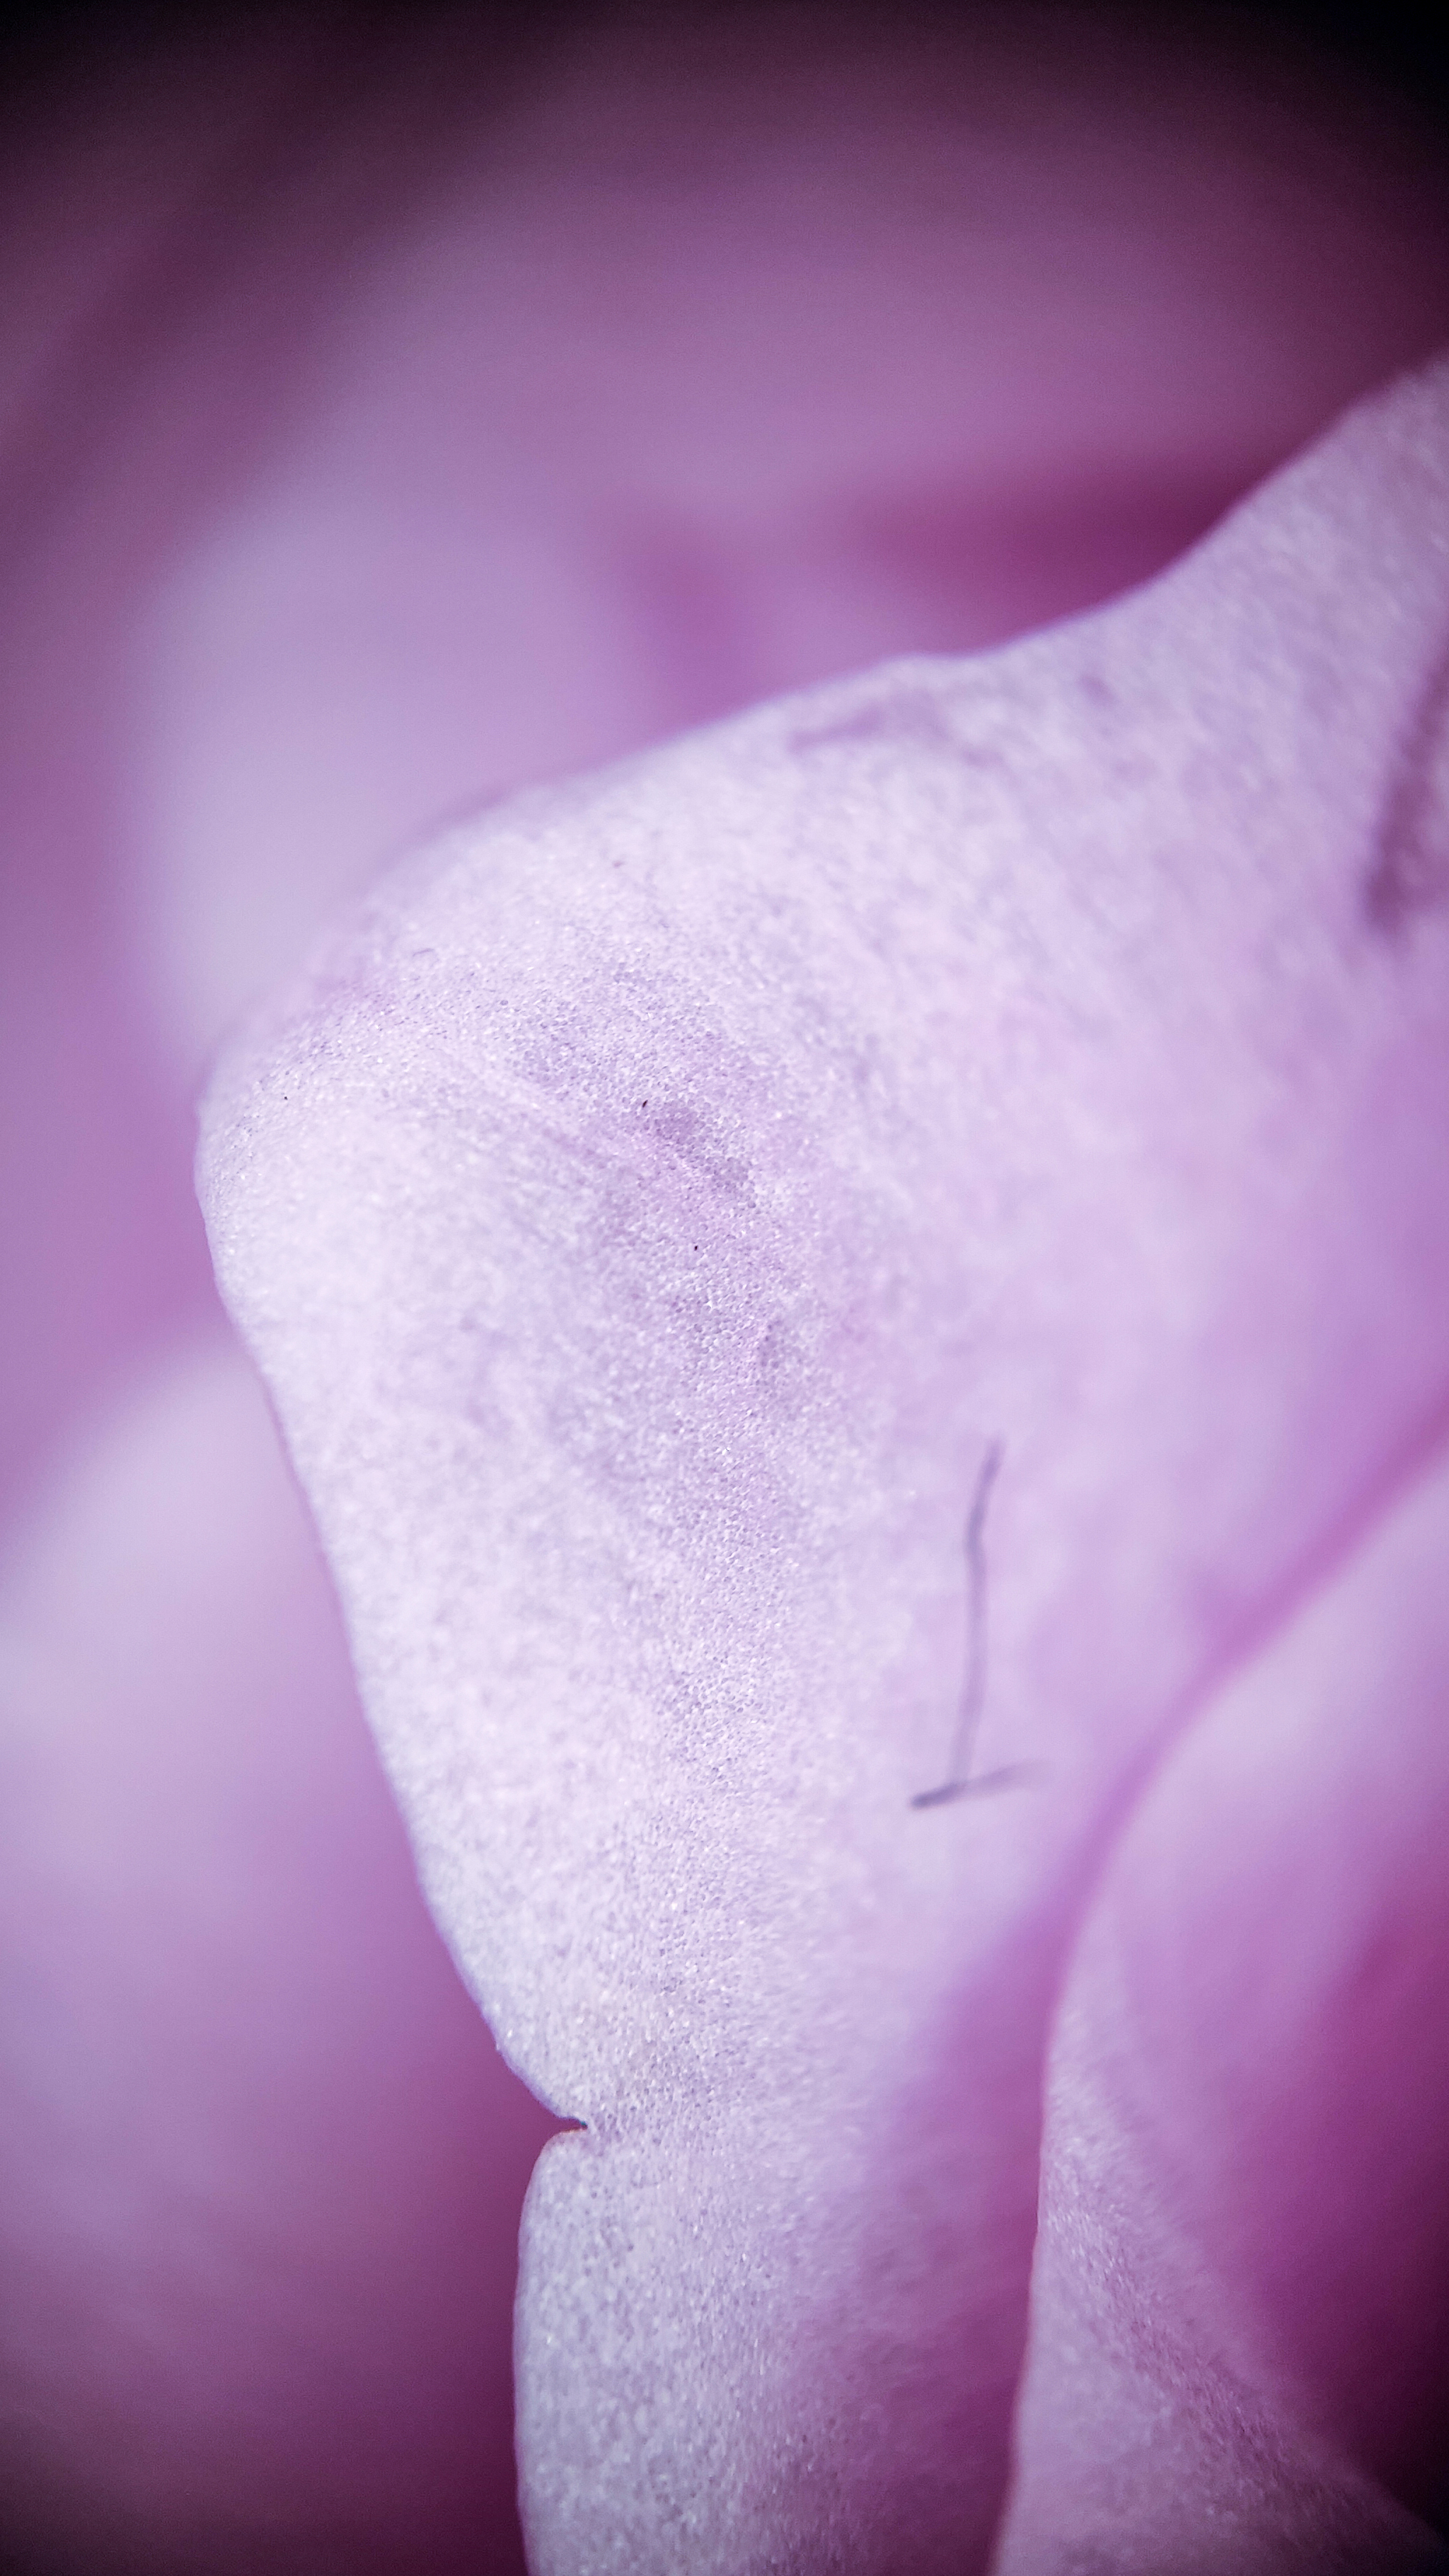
260,2163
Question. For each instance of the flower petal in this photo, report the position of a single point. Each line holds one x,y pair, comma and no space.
245,2112
1243,2264
652,1213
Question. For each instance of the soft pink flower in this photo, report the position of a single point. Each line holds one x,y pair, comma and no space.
381,435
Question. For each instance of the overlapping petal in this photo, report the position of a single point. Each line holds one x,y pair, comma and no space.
650,1213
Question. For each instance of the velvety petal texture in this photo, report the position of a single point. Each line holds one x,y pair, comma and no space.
1237,2347
924,1200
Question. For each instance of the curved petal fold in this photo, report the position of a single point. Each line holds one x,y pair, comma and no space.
652,1213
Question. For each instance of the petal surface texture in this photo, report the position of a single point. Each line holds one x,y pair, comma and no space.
652,1214
1243,2261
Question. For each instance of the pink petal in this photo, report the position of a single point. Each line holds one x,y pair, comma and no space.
367,446
1243,2265
649,1213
